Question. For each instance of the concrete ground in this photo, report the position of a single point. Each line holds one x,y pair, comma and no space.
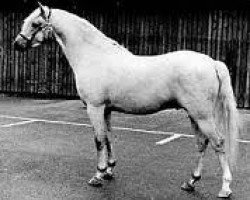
47,152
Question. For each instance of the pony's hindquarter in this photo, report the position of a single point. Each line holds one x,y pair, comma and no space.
226,113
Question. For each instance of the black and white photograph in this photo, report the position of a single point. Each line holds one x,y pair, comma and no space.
124,100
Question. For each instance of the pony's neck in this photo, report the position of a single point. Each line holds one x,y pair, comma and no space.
77,36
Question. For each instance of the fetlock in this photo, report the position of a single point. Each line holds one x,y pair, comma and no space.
109,174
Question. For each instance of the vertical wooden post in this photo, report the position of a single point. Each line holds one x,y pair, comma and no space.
247,91
1,47
219,34
209,37
1,35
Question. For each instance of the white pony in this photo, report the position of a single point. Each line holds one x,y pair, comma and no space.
110,78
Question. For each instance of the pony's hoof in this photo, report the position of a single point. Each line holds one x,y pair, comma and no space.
108,176
186,186
95,182
224,193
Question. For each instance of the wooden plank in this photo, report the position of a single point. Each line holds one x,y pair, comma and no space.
16,56
219,35
1,49
243,57
238,43
247,90
209,38
180,27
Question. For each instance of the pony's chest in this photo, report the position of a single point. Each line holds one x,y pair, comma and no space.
92,88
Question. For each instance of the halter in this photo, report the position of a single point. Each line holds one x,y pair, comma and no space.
40,28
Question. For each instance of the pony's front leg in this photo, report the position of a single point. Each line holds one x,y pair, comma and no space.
109,174
96,115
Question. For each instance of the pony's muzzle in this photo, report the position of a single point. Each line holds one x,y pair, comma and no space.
20,43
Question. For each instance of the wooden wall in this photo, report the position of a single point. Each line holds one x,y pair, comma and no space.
224,35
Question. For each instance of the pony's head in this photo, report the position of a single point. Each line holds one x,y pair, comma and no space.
35,30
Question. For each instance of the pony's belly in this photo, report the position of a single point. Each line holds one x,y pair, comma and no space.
143,109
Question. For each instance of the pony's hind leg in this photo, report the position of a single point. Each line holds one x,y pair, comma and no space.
207,126
217,141
227,176
96,115
202,142
111,158
218,144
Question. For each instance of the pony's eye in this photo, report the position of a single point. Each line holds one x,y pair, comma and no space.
35,25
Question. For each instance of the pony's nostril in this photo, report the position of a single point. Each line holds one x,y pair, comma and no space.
18,46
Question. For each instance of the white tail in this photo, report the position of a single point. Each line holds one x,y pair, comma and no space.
227,116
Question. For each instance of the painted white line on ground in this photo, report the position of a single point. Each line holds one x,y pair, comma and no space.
63,122
17,123
243,141
45,120
89,125
143,131
169,139
117,128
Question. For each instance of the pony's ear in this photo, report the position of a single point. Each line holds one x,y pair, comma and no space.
41,8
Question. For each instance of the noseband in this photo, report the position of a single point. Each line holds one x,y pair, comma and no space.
40,28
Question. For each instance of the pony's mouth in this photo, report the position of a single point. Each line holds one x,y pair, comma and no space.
20,46
23,46
35,45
